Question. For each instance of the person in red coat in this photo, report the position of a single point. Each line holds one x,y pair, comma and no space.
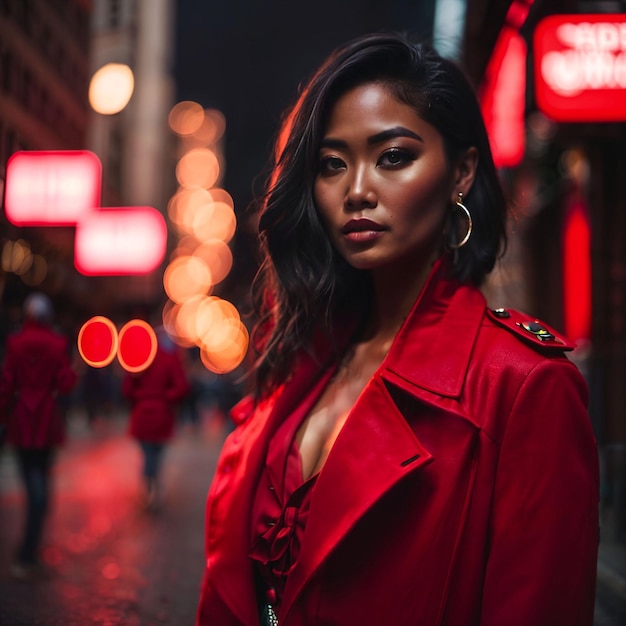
36,368
409,455
154,395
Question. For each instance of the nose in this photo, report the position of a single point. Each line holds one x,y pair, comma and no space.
360,192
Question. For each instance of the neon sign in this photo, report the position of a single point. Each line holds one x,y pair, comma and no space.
580,67
120,240
51,188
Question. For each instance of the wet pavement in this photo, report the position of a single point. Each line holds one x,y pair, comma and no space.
107,560
110,562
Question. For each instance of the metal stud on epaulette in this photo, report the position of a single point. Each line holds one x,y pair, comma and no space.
538,330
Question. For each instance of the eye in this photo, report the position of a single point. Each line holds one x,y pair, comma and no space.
395,157
331,165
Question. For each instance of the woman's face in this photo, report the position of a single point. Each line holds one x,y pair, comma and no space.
384,185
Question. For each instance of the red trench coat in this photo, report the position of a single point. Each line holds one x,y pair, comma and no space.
154,394
461,491
36,368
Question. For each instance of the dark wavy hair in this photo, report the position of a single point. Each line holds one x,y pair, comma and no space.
303,284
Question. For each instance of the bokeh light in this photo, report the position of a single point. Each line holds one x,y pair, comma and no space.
218,257
198,168
216,220
209,132
111,88
185,277
137,346
16,257
120,240
98,341
36,273
186,117
203,215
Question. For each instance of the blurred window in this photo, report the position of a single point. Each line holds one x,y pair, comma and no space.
115,9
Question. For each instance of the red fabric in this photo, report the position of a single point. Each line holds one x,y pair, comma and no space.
36,368
280,509
461,491
154,394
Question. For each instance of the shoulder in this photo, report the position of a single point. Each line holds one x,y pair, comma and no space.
528,330
524,362
514,343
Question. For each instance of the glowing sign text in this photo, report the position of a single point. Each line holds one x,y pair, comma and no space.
580,67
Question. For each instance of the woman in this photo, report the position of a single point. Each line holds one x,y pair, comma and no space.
410,456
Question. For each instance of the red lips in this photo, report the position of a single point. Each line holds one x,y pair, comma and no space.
361,225
362,230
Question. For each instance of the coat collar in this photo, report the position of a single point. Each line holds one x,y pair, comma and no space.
433,347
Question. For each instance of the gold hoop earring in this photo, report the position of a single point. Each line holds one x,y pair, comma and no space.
468,216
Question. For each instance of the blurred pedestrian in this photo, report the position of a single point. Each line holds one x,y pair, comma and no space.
37,367
154,395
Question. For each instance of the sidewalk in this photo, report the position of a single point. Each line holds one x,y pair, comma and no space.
107,560
113,564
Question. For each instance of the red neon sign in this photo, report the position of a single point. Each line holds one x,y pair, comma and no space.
503,98
51,188
120,240
577,272
580,67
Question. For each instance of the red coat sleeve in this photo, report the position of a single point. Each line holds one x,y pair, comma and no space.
541,566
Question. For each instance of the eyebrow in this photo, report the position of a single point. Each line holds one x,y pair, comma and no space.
390,133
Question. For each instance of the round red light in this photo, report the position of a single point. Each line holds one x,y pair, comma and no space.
97,341
137,346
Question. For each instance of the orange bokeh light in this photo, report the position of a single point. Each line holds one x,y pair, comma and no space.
210,130
224,356
186,117
198,168
185,277
170,316
218,257
186,318
215,221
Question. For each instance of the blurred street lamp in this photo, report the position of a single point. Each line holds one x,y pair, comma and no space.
111,88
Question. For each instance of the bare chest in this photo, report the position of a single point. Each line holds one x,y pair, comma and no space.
318,432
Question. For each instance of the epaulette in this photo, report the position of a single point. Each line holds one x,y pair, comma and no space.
530,330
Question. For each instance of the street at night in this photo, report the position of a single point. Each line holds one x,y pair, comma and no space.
107,560
397,227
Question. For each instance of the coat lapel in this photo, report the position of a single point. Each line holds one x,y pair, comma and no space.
432,349
377,447
232,492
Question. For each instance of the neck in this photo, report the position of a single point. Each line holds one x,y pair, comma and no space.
395,292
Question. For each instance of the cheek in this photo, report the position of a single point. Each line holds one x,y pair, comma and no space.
416,202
